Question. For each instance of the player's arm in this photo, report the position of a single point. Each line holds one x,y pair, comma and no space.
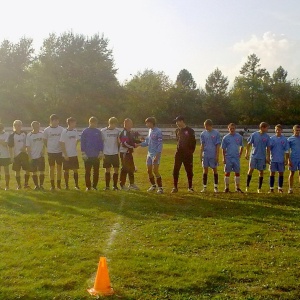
268,155
28,148
217,152
224,155
64,151
241,151
159,146
201,151
193,141
247,151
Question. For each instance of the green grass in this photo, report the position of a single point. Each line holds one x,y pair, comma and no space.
183,246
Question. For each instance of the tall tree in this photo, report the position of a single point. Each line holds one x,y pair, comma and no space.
185,80
217,103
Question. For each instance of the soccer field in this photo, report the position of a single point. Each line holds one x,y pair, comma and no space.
169,246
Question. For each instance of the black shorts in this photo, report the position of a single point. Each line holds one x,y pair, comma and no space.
37,164
4,162
111,161
71,164
55,158
21,161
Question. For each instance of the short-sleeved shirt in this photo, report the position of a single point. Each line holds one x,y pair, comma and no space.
279,146
110,139
70,138
4,151
294,143
17,141
259,141
210,140
154,141
52,136
232,144
36,143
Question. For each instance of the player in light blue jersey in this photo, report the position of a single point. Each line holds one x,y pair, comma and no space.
210,141
232,146
294,160
154,142
279,148
260,153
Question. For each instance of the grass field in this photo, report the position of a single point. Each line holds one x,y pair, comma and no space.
181,246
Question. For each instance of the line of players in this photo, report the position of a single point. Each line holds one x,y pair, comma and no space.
26,151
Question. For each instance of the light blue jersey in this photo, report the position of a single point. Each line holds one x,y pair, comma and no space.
210,140
154,141
294,143
259,144
232,144
278,146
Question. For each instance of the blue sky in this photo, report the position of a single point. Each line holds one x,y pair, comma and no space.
169,35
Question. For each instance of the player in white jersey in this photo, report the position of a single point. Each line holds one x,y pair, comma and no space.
110,137
5,159
68,141
51,138
17,144
35,149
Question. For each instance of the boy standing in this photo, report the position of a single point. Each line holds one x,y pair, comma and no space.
186,144
17,144
154,142
68,141
51,138
5,159
92,152
232,146
279,148
294,159
260,153
127,143
110,136
209,153
35,149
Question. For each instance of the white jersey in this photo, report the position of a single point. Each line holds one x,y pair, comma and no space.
52,136
70,138
36,143
110,141
4,151
18,142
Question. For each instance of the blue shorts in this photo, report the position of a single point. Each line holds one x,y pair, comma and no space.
209,162
258,164
296,165
232,165
277,167
150,160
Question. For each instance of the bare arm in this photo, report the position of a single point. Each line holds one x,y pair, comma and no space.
64,151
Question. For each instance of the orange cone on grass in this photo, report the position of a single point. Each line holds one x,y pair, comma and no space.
102,281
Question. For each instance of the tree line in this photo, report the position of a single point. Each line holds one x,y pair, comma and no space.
75,75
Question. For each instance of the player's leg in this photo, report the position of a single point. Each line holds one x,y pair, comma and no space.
188,165
59,164
41,169
7,177
273,170
280,182
176,169
116,166
124,171
291,181
131,170
76,178
216,179
17,168
252,166
87,172
150,174
96,167
205,173
158,177
66,173
74,165
260,180
24,160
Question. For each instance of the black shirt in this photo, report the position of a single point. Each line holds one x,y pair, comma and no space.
186,141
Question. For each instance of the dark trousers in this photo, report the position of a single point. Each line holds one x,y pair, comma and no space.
187,161
91,162
127,168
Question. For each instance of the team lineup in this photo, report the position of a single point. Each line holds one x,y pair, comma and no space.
115,148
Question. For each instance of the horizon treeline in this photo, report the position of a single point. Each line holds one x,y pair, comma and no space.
75,75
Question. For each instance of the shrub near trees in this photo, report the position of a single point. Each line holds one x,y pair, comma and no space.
76,75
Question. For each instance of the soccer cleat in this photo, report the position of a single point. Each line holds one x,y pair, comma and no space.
160,190
226,190
280,191
238,190
59,187
124,188
133,187
271,191
216,190
247,189
290,192
26,187
152,188
174,190
203,191
19,187
77,188
115,188
259,191
94,189
36,188
6,188
88,189
191,190
52,189
106,188
42,188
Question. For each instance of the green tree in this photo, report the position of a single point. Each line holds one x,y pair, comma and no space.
185,80
217,103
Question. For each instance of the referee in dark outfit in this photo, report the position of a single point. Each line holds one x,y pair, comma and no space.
186,144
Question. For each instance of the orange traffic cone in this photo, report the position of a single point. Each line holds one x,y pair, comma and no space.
102,282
